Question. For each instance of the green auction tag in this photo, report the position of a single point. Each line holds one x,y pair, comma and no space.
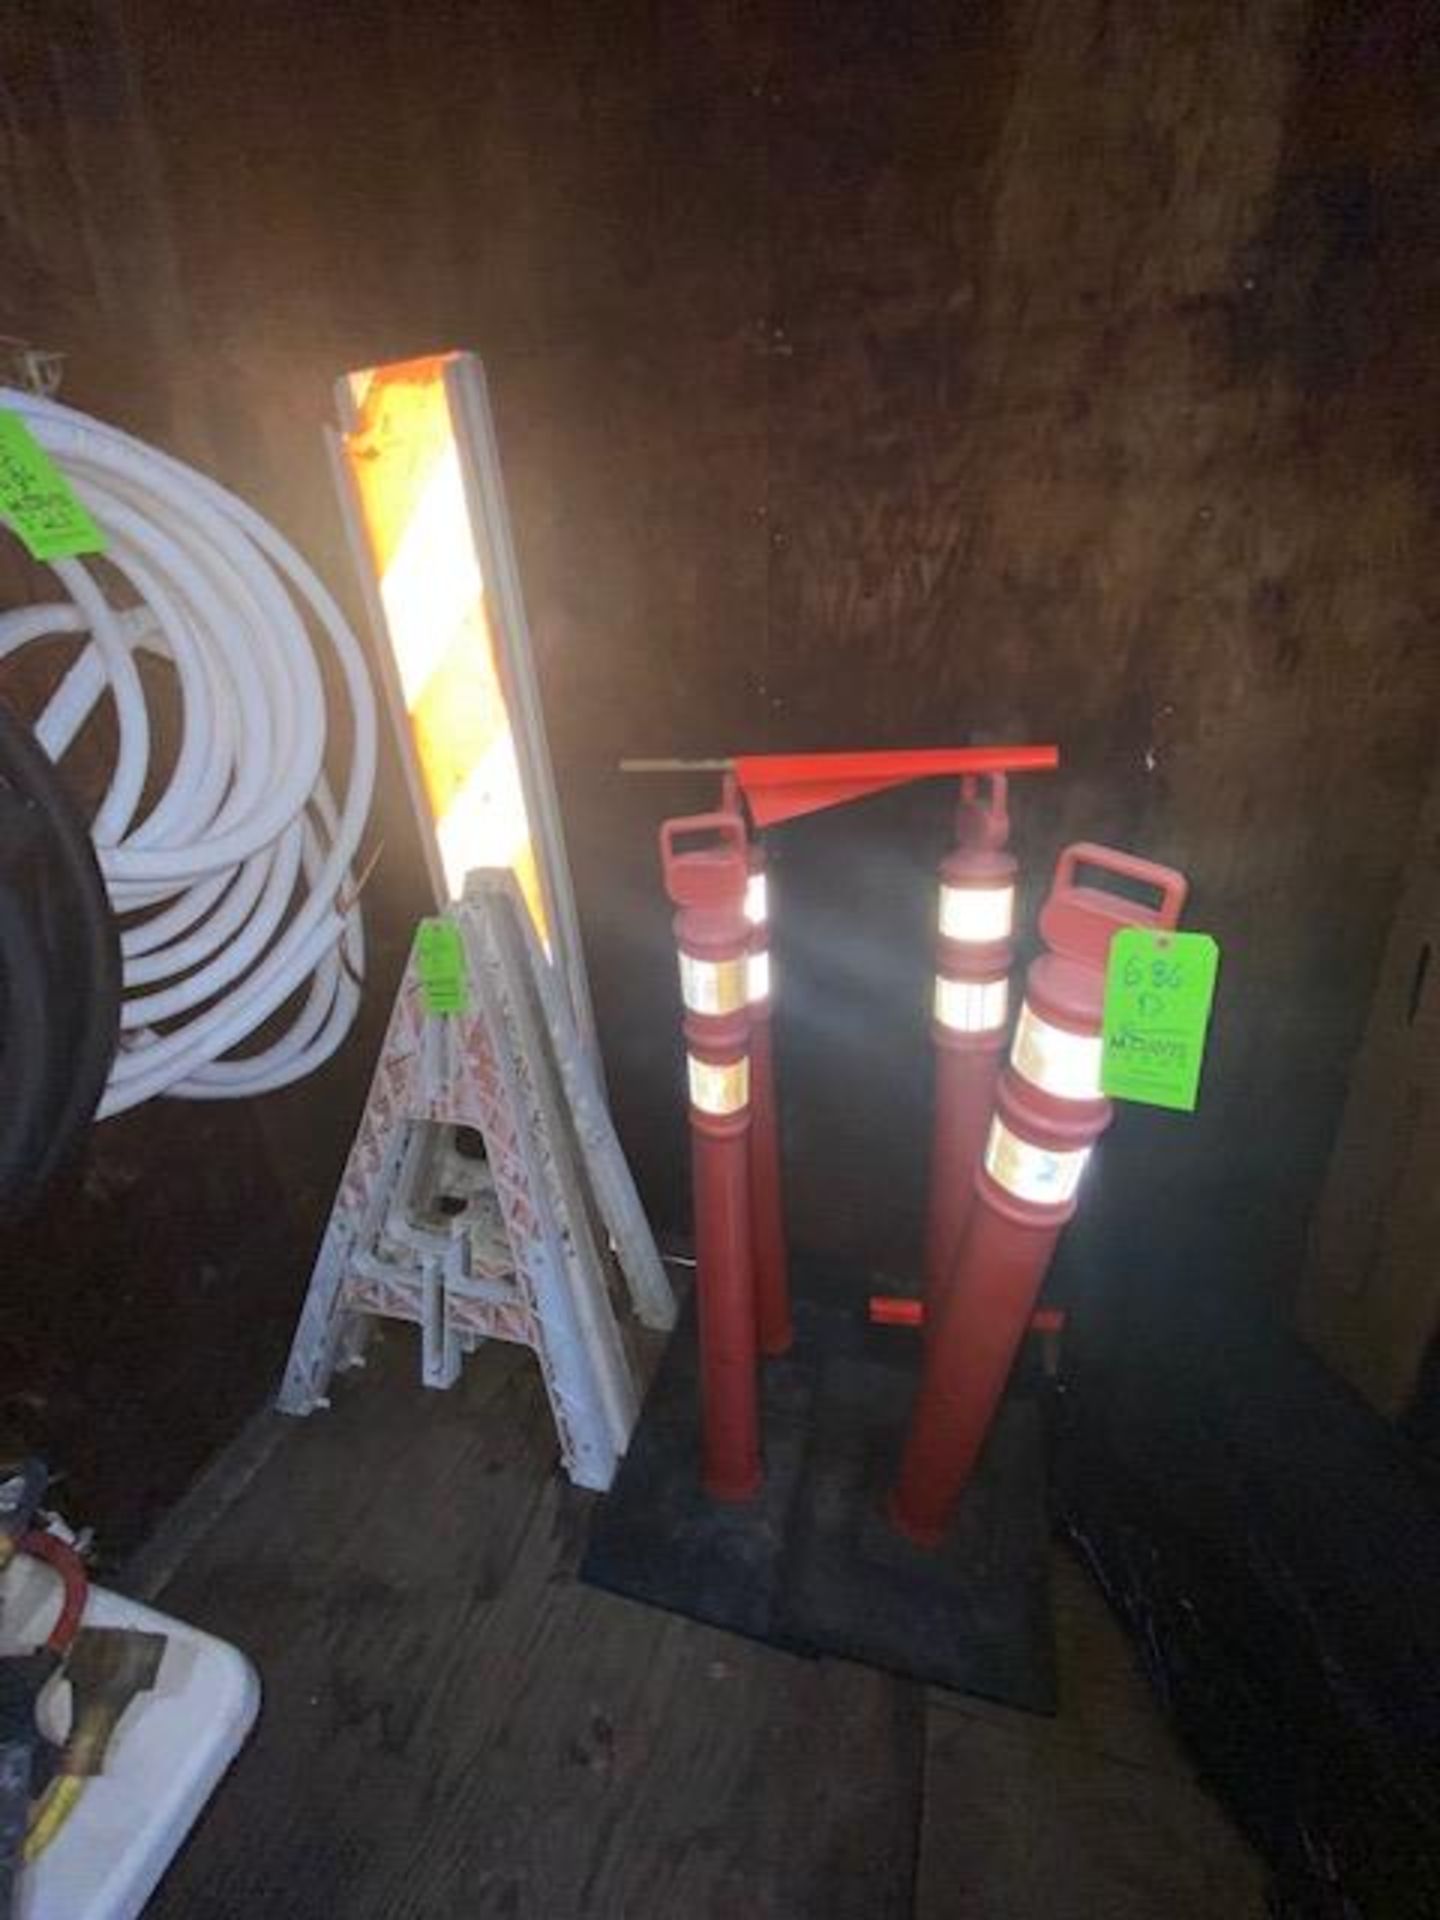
1158,989
38,501
440,960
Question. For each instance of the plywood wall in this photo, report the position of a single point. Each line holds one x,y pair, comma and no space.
1041,369
1370,1294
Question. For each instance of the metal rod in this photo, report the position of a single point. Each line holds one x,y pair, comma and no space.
676,766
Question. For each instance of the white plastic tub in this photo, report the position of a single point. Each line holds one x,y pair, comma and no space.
168,1754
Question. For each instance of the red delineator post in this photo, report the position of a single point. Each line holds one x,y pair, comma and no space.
972,1006
706,867
767,1212
1049,1112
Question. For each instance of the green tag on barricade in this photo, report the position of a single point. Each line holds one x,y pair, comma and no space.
440,961
38,501
1158,990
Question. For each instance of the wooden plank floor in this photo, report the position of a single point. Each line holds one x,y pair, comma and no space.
454,1728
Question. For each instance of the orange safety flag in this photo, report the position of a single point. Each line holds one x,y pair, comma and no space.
782,786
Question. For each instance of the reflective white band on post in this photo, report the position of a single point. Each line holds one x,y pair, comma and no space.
719,1090
977,914
1029,1172
1056,1060
757,976
971,1006
713,986
757,905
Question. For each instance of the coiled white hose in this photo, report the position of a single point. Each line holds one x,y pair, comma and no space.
233,884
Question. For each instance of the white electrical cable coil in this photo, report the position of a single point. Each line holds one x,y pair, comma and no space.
233,885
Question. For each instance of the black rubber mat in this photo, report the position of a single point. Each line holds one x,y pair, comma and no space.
811,1564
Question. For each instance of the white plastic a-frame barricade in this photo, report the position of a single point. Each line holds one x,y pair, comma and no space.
493,1245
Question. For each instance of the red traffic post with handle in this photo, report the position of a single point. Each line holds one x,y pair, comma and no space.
1049,1113
705,860
767,1209
971,1008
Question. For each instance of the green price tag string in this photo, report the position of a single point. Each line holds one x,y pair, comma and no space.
1158,990
37,501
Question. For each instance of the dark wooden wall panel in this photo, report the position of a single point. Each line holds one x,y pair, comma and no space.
1046,368
1105,457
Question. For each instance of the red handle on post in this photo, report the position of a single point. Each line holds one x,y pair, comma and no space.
1079,921
1171,885
709,875
983,824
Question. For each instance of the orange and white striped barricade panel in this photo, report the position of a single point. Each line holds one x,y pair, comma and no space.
419,475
